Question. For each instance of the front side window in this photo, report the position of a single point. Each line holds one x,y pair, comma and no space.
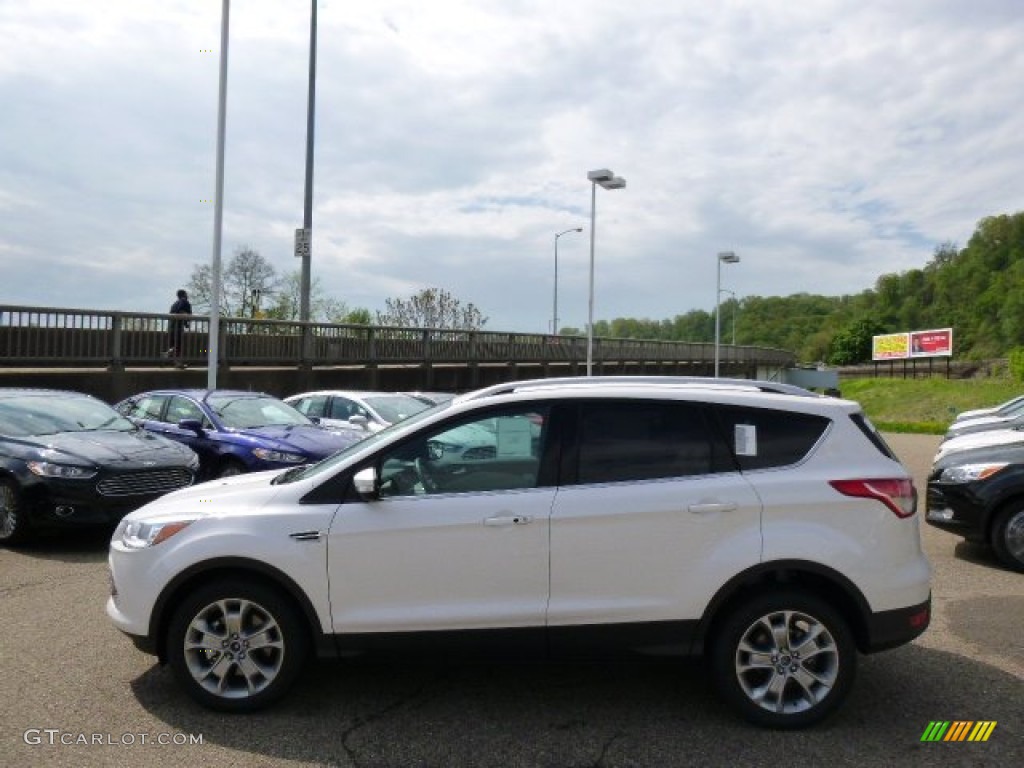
636,440
311,406
180,408
498,452
146,407
343,409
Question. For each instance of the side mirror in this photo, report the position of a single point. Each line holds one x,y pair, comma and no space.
192,425
359,421
367,484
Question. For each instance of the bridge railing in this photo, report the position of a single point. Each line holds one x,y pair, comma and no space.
59,337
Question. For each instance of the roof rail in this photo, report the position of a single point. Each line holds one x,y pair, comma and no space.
704,381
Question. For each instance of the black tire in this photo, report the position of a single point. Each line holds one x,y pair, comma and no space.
15,527
228,672
756,657
230,468
1008,537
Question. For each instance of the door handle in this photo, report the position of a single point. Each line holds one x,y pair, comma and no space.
508,520
713,506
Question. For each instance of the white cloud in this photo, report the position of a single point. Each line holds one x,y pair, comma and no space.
826,142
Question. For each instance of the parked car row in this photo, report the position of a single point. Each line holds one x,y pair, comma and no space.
976,485
68,459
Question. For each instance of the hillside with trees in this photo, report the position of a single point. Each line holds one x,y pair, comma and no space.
977,290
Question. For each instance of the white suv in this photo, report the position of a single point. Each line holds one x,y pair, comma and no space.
769,529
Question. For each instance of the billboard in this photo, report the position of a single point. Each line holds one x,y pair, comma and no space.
938,343
900,346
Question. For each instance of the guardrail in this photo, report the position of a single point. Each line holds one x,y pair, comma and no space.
56,337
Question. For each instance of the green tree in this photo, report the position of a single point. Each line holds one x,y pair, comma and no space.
432,308
246,280
852,344
322,308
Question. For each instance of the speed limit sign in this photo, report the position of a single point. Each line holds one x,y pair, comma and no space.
302,238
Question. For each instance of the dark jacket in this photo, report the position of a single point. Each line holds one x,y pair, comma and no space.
181,307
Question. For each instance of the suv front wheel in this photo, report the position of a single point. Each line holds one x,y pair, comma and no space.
236,646
784,660
1008,537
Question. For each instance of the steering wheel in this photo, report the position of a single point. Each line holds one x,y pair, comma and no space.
426,479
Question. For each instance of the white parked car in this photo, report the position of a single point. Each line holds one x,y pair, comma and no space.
1006,418
773,532
997,410
371,411
971,440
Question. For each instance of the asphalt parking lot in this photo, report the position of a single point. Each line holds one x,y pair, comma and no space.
74,692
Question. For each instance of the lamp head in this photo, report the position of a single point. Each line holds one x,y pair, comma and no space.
728,257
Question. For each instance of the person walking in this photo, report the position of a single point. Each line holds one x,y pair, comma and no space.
176,329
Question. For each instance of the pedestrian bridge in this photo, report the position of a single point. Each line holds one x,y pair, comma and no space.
114,353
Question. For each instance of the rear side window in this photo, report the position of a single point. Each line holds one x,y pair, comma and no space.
632,440
872,434
764,437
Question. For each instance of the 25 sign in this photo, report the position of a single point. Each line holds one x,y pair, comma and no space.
302,240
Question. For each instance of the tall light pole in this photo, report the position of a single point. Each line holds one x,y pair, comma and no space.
607,180
725,257
735,306
554,313
305,279
213,350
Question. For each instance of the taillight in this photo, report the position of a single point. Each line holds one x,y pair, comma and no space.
898,494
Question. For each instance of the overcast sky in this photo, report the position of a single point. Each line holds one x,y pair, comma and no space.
826,142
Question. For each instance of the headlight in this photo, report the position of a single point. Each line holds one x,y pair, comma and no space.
65,471
268,455
193,463
969,473
136,535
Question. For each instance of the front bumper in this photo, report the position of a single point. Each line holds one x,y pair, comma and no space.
955,509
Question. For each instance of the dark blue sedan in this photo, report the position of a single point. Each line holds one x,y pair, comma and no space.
234,431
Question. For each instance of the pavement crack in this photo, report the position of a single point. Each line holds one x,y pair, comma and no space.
606,747
415,698
13,589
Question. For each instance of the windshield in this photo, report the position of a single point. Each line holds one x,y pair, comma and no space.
335,460
394,408
50,414
251,411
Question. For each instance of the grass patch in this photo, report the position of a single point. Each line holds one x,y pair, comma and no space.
925,406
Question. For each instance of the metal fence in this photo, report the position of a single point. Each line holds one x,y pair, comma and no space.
56,337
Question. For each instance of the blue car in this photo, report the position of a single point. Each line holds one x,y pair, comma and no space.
235,431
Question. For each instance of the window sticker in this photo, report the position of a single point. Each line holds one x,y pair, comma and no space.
513,437
746,440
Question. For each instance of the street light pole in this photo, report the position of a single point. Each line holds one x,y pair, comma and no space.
554,314
213,345
725,257
305,275
607,180
734,307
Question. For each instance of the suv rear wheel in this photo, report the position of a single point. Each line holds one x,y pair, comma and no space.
236,647
784,660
